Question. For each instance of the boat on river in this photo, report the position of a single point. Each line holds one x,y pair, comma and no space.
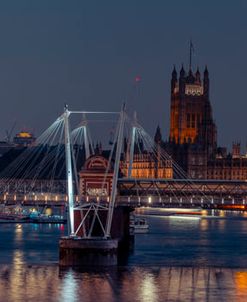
138,225
189,212
20,215
47,219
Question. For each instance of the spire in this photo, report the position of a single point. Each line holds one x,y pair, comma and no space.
206,72
125,144
182,72
100,148
190,78
97,150
206,82
173,80
198,76
158,136
174,73
182,81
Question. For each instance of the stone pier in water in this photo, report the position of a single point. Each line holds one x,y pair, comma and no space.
98,251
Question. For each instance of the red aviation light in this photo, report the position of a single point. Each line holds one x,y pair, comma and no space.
137,79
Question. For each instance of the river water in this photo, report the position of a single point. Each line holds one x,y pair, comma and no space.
179,259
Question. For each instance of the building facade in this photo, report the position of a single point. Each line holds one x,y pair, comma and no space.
191,118
147,163
24,139
94,182
193,135
228,166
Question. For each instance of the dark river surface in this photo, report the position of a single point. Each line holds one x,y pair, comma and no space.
179,259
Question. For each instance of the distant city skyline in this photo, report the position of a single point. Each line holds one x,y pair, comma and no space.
89,53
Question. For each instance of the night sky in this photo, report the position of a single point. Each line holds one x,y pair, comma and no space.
88,53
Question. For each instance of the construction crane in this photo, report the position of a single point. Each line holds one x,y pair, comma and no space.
9,132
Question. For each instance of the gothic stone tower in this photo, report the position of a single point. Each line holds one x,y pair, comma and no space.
191,119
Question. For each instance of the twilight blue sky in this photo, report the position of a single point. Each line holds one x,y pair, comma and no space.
88,52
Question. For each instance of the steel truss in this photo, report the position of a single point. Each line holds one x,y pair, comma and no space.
182,187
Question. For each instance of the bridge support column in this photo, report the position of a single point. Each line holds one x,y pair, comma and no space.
87,252
98,251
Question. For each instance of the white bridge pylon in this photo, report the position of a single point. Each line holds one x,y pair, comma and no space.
95,207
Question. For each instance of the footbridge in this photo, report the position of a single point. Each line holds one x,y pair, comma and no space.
170,192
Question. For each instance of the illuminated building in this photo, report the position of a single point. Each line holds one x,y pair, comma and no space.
93,180
147,164
191,118
232,166
24,139
193,135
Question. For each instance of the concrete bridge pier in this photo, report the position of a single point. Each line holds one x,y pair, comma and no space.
87,252
97,250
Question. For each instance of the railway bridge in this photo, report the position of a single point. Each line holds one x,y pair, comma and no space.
136,192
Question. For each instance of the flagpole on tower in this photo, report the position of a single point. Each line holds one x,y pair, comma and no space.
191,49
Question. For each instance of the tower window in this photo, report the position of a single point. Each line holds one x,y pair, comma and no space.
193,120
198,120
188,120
176,120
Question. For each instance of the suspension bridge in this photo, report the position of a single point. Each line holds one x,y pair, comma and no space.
99,187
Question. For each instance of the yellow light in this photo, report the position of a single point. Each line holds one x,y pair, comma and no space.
24,134
241,282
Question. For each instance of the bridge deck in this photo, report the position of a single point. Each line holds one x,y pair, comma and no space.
182,187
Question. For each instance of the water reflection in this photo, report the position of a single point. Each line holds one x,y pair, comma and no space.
222,213
18,258
204,225
180,222
18,232
147,289
153,272
69,287
222,225
241,284
138,284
